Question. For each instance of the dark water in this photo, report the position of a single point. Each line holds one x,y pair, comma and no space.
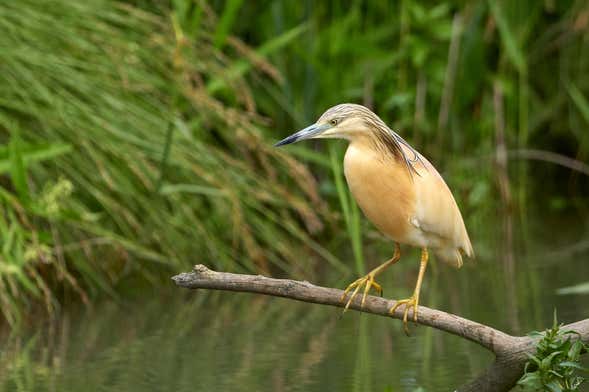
178,340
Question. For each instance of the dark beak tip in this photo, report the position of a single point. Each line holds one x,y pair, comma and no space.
288,140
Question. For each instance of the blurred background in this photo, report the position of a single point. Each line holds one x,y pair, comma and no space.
137,140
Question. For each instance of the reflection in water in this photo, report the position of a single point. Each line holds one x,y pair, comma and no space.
202,341
362,381
507,253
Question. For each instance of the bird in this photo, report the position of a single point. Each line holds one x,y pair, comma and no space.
398,190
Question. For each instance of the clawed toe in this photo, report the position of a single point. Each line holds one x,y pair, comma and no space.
409,303
366,281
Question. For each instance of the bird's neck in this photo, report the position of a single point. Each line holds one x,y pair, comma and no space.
370,145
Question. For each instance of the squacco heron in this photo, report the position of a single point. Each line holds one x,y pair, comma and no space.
398,190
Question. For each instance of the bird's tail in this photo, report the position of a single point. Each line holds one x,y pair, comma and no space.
451,256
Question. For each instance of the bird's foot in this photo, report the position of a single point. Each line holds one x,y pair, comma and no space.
409,303
366,281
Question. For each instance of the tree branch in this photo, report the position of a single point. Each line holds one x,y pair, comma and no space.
510,351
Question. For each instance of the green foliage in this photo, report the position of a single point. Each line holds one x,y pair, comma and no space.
117,105
556,364
430,70
158,120
349,209
27,255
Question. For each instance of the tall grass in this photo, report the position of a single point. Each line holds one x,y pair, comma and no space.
136,136
429,69
125,160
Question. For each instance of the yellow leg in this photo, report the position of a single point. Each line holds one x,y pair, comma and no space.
368,280
413,302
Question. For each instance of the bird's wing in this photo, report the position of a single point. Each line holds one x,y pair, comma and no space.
436,210
410,158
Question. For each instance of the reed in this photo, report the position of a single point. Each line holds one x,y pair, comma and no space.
137,136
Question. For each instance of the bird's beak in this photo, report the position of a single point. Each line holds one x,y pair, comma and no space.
303,134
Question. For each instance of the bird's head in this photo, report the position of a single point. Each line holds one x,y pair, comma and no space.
345,121
354,122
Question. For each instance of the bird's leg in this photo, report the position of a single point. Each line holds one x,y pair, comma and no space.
413,302
368,280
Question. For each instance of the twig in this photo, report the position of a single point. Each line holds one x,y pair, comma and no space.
551,157
511,351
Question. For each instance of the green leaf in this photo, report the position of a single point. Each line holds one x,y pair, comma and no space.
570,364
530,379
580,101
575,350
8,239
553,386
546,362
17,170
241,67
512,49
535,359
34,154
27,283
226,22
554,372
171,189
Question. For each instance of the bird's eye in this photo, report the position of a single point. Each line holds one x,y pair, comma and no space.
333,121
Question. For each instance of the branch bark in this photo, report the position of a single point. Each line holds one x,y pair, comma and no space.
510,351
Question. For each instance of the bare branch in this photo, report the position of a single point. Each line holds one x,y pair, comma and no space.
511,352
204,278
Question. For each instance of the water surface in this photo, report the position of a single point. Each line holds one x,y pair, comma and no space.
180,340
